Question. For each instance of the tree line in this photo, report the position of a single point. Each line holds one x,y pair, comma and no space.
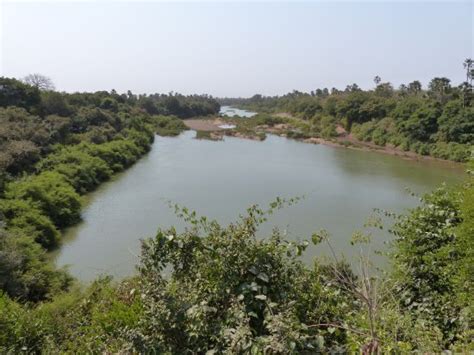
34,120
437,120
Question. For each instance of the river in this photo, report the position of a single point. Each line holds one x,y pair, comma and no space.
221,179
230,111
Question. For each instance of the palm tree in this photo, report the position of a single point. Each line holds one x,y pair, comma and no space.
469,66
377,80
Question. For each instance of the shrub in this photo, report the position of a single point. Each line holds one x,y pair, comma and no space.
231,292
379,136
118,154
26,218
168,125
142,139
26,272
451,151
51,193
82,170
425,248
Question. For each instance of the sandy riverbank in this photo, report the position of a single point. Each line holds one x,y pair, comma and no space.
207,125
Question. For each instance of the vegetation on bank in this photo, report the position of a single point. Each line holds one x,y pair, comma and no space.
436,121
220,289
169,125
56,147
205,135
257,126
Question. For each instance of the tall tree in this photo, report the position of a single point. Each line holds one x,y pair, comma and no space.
15,93
439,88
414,87
469,66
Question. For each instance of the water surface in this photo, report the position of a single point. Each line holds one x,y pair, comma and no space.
221,179
232,111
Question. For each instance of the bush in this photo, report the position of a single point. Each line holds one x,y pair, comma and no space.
231,292
363,131
451,151
269,120
82,170
426,249
297,134
142,139
379,136
423,149
329,132
405,144
169,125
51,193
26,218
118,154
100,315
26,272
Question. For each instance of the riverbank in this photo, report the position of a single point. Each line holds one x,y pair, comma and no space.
348,140
208,125
292,129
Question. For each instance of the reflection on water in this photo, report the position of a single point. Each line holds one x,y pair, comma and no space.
221,179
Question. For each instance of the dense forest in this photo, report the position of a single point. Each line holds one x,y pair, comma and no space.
213,288
437,120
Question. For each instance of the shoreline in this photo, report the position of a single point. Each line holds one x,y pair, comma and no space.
344,140
370,147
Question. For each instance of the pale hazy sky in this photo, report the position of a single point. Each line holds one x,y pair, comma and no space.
234,48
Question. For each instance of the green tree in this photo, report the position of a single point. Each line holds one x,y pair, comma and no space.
14,93
414,87
439,88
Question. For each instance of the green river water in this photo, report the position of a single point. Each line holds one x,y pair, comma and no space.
221,179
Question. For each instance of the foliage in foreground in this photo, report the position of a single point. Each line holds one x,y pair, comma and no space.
216,289
433,258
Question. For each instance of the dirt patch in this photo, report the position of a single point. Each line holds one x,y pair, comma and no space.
207,125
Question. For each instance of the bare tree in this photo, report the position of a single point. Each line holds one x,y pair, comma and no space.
40,81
